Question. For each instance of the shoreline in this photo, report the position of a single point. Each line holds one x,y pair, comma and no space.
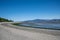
18,24
12,32
46,31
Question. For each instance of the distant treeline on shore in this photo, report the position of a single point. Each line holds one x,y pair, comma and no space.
5,20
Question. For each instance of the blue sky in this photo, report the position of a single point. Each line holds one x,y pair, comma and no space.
20,10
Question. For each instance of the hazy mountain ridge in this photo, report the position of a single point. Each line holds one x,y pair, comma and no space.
54,21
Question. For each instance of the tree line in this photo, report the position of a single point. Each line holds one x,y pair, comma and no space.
5,20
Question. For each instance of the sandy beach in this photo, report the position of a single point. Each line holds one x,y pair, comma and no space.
12,32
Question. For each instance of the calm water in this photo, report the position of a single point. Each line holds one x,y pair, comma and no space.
51,26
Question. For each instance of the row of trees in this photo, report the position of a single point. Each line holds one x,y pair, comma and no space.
5,20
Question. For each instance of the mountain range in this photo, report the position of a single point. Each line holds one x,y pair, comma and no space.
54,21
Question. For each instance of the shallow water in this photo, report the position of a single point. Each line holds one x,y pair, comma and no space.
51,26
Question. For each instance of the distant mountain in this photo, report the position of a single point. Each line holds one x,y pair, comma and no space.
56,21
5,20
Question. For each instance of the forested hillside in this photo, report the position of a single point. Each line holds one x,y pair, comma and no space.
5,20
